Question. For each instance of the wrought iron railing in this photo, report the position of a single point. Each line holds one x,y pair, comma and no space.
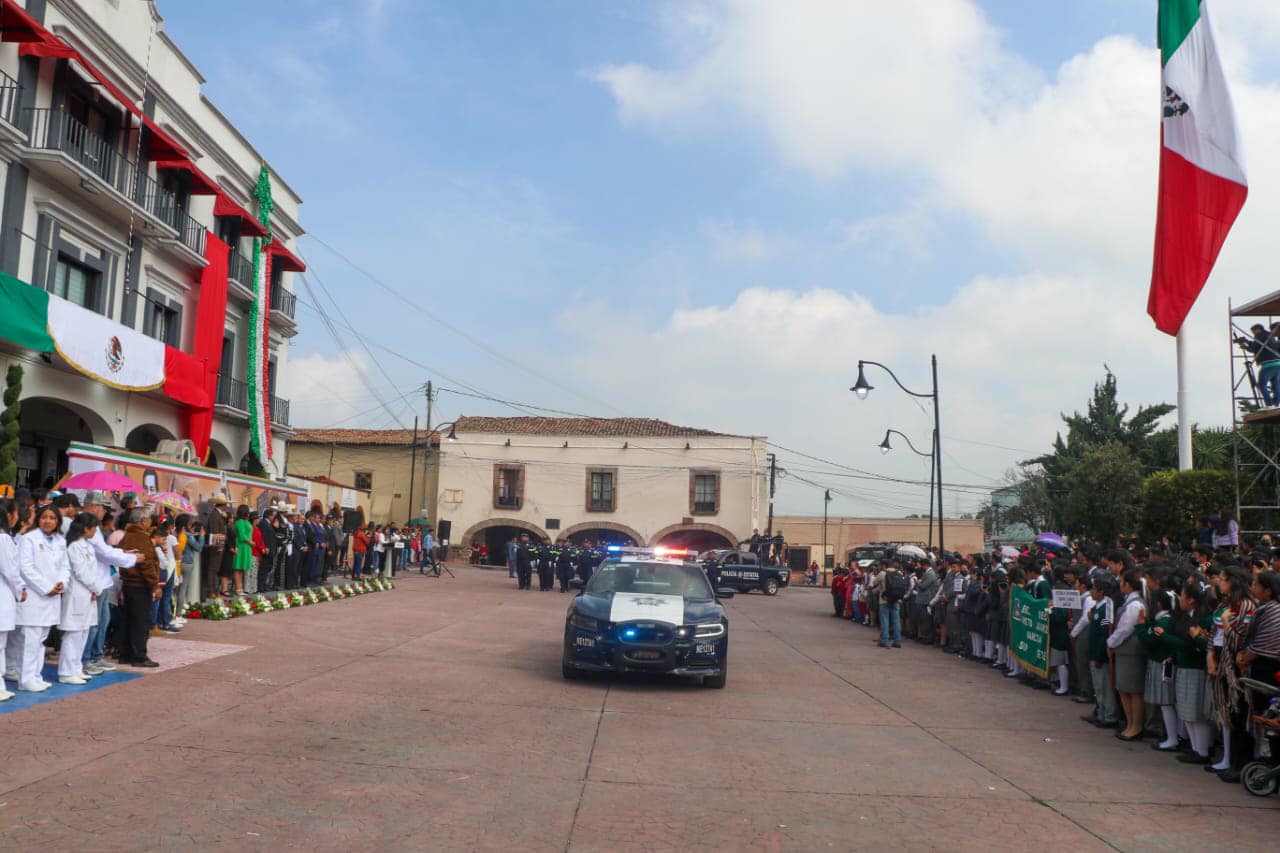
240,268
279,411
233,393
10,94
283,301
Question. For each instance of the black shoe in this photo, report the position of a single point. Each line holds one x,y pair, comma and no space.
1091,719
897,645
1083,700
146,663
1232,776
1125,737
1193,758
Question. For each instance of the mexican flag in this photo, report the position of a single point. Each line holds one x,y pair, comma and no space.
1202,180
259,337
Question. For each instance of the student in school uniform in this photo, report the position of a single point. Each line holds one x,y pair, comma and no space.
1100,616
1189,636
42,563
79,605
1159,690
1060,632
1129,659
1080,642
12,589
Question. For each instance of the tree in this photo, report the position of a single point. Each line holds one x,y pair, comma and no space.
1210,449
1104,492
1173,500
9,425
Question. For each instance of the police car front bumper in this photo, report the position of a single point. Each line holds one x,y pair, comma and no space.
628,647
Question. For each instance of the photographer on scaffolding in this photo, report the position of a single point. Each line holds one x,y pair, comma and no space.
1265,347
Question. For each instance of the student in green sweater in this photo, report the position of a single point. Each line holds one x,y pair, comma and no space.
1160,668
1188,638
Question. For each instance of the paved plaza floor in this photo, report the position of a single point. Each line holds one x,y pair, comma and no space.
435,717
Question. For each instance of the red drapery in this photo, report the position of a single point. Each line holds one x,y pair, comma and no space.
201,184
18,25
211,321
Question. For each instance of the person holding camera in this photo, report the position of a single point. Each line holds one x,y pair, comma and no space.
1265,347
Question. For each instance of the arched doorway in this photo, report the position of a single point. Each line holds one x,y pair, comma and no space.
146,438
695,537
218,456
46,427
608,532
495,534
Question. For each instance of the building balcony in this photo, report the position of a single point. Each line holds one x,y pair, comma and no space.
10,95
66,150
232,400
240,274
284,307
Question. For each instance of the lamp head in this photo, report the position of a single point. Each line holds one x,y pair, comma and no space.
862,387
452,436
885,446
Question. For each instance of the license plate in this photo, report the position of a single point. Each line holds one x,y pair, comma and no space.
646,655
584,642
704,649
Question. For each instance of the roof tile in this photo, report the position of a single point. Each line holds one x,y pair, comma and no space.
608,427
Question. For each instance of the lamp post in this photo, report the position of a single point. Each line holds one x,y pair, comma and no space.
826,502
885,447
862,388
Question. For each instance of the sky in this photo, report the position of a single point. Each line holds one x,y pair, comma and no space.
708,212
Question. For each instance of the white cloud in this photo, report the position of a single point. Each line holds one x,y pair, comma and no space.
332,392
749,244
1058,171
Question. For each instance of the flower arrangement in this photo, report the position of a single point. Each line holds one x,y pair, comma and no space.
216,610
312,597
350,589
334,592
193,611
375,585
297,599
261,604
322,593
240,607
281,602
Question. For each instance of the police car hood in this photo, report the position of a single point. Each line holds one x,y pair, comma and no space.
646,607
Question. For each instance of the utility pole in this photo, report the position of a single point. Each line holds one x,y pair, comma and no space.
773,482
413,462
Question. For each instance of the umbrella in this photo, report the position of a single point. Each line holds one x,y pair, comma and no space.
102,481
1050,540
1008,551
913,551
173,501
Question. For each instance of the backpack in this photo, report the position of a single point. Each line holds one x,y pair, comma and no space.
895,586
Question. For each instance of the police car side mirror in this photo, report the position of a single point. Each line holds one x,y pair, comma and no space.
724,592
576,583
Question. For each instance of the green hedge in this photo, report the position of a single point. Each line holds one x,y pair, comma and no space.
1173,500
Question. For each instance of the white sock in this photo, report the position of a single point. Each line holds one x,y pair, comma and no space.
1199,737
1226,750
1170,715
988,649
1062,678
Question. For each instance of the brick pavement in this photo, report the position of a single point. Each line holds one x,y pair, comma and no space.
434,717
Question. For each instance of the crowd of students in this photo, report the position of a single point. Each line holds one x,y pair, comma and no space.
1157,646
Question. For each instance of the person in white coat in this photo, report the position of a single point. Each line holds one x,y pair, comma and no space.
79,610
42,563
12,589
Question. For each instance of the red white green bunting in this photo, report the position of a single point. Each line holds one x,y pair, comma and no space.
259,325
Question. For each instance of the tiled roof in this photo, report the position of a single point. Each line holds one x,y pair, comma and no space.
638,427
619,427
385,437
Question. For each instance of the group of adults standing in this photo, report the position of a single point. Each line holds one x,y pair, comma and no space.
281,548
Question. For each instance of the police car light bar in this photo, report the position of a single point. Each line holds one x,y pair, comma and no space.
658,551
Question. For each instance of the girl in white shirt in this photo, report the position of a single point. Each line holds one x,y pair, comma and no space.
42,563
79,610
12,589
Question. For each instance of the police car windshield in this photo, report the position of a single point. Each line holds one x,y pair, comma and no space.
658,578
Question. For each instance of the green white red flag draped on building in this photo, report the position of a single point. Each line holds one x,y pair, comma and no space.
1202,177
259,337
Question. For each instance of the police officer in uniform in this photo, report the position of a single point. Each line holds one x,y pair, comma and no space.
525,555
565,560
584,561
546,567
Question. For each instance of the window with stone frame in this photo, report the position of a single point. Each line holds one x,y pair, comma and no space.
704,492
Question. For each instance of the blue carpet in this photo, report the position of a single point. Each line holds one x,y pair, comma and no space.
22,699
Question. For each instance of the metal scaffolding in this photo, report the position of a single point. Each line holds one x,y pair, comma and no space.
1255,426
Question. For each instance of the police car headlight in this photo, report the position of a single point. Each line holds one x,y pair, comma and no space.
704,631
584,623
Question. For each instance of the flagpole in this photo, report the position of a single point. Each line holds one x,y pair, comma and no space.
1184,417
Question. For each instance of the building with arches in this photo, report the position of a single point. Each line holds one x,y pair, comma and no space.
625,481
128,216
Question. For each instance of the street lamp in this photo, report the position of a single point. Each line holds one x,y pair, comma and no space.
862,388
885,447
826,502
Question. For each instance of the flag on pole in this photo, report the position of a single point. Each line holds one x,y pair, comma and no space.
1202,179
259,318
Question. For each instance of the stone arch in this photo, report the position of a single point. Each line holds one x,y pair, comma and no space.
613,526
479,527
220,455
91,426
730,538
145,438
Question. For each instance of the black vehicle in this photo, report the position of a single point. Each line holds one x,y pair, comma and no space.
742,571
647,615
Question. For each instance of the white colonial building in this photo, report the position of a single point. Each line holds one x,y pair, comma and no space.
623,480
116,170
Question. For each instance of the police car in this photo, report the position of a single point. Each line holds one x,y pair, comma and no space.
648,610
